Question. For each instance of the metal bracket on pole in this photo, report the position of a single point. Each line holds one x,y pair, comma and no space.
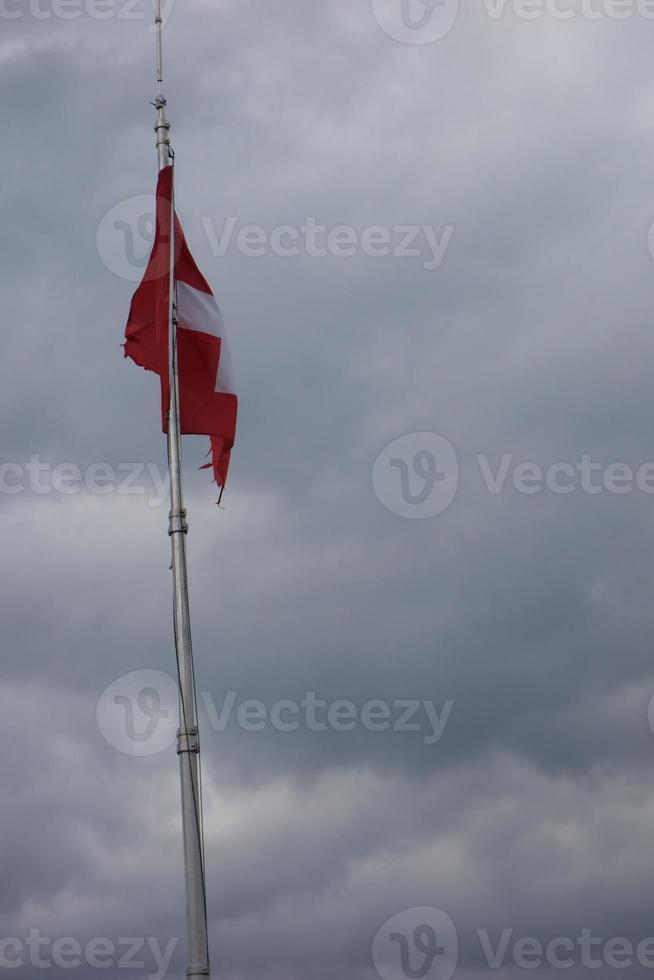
188,741
177,523
162,129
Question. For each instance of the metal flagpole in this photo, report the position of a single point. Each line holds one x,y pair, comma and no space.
188,743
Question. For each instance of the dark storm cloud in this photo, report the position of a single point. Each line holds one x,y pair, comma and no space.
531,613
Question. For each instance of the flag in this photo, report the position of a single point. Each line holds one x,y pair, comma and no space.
207,402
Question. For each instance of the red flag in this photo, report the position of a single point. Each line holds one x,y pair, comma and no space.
208,404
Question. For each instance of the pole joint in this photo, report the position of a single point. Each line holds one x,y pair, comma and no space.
162,131
188,742
177,522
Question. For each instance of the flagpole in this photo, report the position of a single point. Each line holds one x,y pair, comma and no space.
188,743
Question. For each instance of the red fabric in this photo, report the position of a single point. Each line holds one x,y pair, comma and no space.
203,410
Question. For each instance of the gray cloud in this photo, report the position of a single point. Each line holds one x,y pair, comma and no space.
531,613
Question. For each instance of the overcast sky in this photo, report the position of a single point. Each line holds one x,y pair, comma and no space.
381,539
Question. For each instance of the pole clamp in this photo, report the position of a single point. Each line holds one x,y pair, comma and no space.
188,741
177,523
